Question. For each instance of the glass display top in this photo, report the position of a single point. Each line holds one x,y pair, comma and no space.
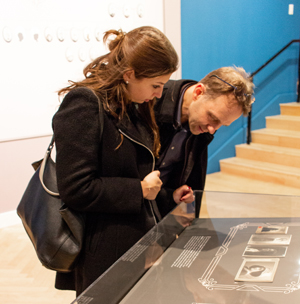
224,248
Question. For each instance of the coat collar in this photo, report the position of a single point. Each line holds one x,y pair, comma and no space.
132,125
166,111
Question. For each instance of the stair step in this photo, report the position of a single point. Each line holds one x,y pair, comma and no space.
275,137
284,122
280,174
271,154
220,181
291,108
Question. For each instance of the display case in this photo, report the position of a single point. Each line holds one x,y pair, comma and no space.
224,248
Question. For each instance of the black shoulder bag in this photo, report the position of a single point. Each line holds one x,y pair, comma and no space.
55,230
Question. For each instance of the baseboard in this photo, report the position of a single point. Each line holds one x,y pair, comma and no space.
9,218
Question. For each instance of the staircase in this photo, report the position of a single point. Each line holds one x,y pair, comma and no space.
274,153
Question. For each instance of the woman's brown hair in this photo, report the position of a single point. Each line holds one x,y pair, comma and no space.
147,51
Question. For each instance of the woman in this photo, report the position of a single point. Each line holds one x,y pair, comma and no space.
111,179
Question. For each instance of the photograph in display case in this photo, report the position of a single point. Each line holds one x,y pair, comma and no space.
257,270
274,239
265,251
272,229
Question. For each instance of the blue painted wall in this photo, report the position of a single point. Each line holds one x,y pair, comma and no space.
244,33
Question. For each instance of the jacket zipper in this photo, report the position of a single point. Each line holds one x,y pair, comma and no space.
153,165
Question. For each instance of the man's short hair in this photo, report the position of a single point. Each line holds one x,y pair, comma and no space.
227,80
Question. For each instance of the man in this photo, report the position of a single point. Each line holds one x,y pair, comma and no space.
188,114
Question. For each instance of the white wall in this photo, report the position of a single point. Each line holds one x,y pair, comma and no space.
172,28
33,68
47,42
15,163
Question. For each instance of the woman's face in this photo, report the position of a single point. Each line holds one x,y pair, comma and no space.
145,89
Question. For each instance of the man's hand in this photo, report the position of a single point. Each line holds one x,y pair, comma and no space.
183,194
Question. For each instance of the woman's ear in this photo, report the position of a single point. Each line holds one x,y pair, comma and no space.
128,76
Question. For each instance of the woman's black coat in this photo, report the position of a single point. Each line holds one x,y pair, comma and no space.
96,177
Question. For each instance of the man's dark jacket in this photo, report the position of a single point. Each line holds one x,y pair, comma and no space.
191,171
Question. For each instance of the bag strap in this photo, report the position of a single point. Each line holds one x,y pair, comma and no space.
51,145
43,166
101,118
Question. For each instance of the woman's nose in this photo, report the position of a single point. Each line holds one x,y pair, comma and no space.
159,93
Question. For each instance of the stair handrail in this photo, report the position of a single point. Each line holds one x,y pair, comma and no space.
259,69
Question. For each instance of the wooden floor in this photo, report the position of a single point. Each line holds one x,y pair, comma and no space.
23,279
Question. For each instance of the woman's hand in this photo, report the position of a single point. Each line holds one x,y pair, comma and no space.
151,185
183,194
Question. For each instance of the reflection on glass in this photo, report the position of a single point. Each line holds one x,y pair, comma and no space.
200,253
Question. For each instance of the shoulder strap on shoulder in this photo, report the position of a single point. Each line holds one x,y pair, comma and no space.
42,163
101,117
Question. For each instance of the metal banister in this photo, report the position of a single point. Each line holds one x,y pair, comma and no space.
259,69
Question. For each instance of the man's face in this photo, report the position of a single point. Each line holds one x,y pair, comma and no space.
208,115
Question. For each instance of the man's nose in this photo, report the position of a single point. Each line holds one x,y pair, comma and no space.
213,128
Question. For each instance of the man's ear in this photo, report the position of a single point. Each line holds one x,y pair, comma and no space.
129,75
199,90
